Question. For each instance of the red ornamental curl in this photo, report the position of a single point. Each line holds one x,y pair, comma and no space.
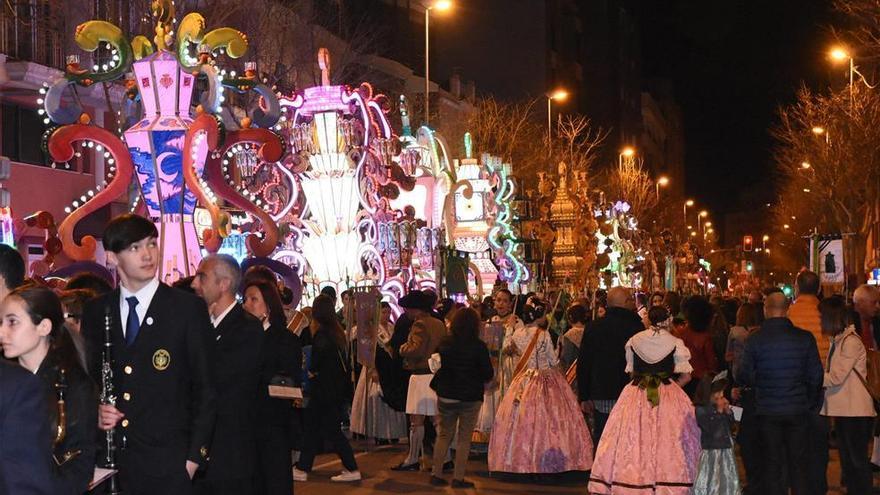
61,150
210,126
271,149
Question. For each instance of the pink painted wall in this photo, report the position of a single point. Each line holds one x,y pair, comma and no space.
35,188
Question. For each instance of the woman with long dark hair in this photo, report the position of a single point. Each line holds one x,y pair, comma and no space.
465,368
281,361
330,388
32,331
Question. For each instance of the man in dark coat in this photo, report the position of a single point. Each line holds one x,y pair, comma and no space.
165,407
26,464
237,341
781,363
601,362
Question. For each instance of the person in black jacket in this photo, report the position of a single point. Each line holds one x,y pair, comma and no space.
26,449
601,362
33,332
330,388
781,363
465,368
237,341
165,409
280,359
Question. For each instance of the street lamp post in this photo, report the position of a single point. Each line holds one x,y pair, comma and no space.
439,5
627,152
700,216
663,181
687,203
839,54
558,95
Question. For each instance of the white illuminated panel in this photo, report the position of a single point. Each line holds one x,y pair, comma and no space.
469,210
417,198
333,201
472,244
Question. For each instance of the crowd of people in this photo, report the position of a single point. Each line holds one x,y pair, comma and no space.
195,388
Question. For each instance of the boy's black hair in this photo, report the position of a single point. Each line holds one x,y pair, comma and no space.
125,230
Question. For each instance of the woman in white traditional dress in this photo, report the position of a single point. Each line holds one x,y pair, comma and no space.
370,415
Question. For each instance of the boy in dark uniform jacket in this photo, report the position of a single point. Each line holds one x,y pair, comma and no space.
165,401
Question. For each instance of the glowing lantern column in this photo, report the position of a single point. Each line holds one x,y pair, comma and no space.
156,147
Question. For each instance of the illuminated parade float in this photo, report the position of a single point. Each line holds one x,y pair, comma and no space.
176,151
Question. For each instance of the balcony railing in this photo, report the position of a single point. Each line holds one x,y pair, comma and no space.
31,30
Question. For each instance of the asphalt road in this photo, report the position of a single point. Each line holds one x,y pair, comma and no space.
375,463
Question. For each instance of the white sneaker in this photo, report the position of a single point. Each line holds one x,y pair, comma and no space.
300,475
347,476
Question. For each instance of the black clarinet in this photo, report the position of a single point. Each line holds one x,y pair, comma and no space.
109,398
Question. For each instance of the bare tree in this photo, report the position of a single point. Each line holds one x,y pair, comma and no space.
829,162
631,183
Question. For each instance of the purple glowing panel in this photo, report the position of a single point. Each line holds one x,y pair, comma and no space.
324,99
164,87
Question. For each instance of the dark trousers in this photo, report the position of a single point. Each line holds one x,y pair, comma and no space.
274,476
853,436
137,482
785,443
322,423
817,454
137,475
749,440
455,417
243,486
599,421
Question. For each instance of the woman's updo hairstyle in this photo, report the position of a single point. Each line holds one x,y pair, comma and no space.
658,314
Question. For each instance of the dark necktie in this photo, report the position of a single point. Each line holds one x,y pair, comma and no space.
134,323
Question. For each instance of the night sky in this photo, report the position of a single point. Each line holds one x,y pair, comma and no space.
733,63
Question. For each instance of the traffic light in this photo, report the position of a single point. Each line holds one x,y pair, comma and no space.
747,243
749,266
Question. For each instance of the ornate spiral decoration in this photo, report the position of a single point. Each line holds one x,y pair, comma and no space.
61,149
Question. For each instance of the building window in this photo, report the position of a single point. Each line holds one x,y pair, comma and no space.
22,135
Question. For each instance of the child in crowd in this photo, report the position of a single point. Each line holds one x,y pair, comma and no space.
717,474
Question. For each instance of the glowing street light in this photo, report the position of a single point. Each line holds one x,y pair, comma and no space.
440,6
626,152
687,204
558,95
663,181
818,130
805,165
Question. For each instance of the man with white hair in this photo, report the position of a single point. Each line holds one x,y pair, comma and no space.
866,302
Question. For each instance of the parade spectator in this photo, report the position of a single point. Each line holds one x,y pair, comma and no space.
237,339
26,464
88,280
804,311
804,314
846,395
73,301
32,332
657,299
464,370
866,302
280,363
11,270
747,321
781,362
421,400
699,314
652,416
601,364
717,473
672,301
571,340
330,389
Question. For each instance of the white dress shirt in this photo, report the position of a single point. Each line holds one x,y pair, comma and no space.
144,297
219,319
